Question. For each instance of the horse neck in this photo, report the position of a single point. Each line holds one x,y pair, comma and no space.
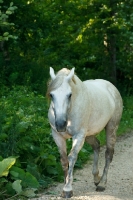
79,92
80,103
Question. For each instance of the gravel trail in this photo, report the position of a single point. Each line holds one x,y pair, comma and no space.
120,176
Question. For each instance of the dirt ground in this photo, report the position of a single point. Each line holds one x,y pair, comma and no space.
120,176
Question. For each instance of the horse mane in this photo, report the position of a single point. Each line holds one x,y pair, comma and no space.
57,82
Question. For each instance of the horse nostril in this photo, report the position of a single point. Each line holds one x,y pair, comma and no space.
64,122
60,125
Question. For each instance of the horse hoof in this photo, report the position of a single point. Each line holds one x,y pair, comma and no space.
67,194
100,188
96,184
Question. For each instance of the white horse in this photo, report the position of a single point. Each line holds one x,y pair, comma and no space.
79,110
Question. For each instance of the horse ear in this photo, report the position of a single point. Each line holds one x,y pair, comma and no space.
70,75
52,74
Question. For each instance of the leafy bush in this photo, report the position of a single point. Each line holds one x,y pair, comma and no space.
25,132
19,183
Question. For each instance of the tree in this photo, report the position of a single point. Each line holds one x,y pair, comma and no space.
4,24
88,35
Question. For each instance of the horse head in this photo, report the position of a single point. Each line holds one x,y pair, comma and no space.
60,93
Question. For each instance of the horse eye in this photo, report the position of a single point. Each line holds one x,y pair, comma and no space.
51,95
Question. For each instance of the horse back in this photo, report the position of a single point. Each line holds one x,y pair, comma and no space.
103,89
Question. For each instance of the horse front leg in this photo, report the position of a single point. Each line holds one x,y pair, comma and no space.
61,143
78,142
64,163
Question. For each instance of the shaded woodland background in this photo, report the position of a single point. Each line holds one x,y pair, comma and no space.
95,37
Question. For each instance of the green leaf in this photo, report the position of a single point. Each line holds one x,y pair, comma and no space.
3,180
51,160
22,126
9,189
3,136
8,12
5,34
30,181
6,38
11,4
16,185
12,9
29,192
32,168
5,165
52,170
18,172
15,174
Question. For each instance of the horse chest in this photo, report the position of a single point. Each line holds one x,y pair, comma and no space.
66,135
69,130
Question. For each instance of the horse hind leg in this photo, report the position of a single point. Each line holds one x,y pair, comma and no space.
110,129
95,144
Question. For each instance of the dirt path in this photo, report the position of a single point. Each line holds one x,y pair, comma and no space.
120,177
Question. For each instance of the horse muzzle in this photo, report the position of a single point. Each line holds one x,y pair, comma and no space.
61,125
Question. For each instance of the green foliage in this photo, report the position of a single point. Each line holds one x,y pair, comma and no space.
5,165
25,132
17,181
27,180
4,24
127,117
88,35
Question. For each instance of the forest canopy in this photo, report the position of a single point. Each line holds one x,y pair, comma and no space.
95,37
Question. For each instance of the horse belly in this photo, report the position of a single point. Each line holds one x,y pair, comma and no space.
94,129
98,121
